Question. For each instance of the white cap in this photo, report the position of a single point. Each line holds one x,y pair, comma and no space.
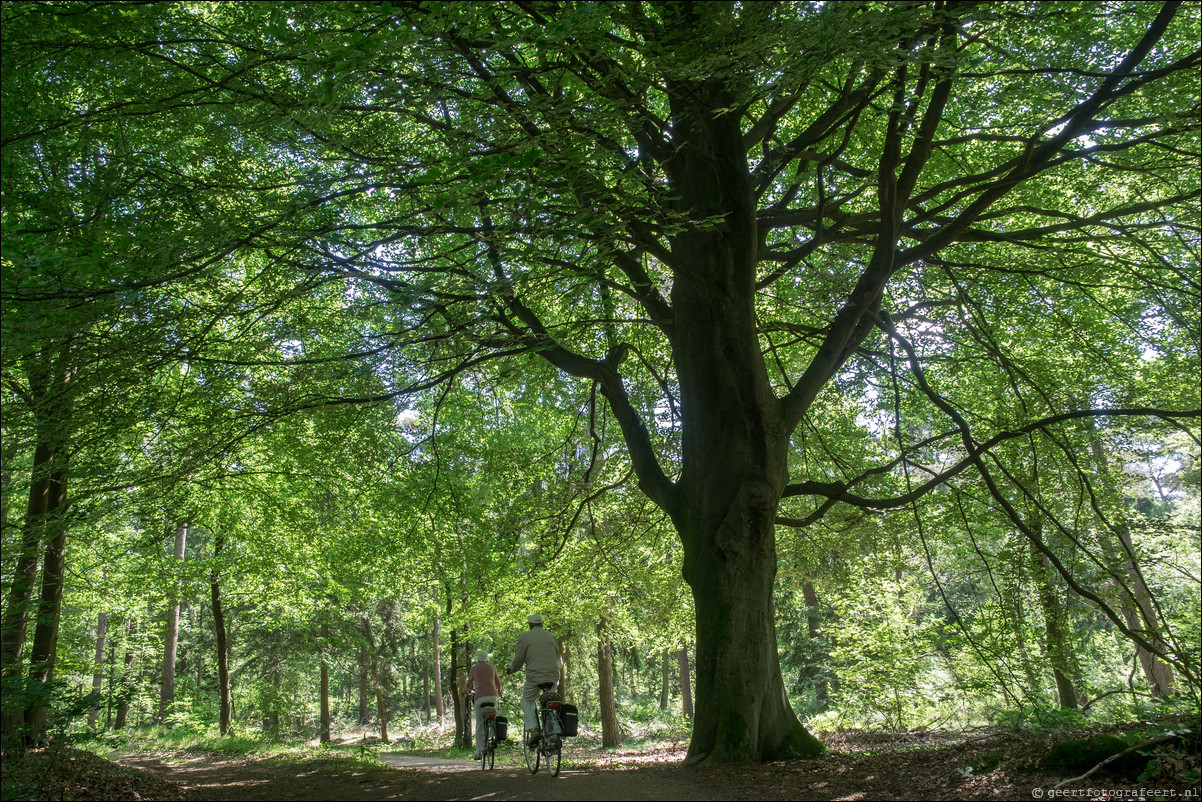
481,656
536,619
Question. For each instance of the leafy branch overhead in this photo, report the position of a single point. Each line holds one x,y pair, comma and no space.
815,259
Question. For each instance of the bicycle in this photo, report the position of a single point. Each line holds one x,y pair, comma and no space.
550,743
488,710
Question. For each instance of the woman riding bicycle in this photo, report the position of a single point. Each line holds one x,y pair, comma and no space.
484,682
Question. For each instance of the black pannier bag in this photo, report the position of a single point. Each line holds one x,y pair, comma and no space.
502,728
569,718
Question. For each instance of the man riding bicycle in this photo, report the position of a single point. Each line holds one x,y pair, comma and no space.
538,651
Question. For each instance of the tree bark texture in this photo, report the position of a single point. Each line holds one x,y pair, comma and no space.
686,684
102,620
735,431
43,520
219,631
665,680
324,734
611,733
815,669
171,634
381,710
1136,604
127,684
364,677
1055,627
439,708
44,651
461,739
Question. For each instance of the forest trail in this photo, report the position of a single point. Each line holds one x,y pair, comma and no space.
859,765
459,779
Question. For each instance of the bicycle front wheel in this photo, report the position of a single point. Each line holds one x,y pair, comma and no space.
530,752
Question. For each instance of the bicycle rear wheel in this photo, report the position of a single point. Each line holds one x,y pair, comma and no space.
554,745
530,752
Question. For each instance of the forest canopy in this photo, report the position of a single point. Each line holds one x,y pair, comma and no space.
841,356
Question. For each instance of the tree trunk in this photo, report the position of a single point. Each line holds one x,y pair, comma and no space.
1136,603
1054,626
564,666
44,652
611,734
43,516
102,620
426,687
381,710
815,669
686,686
324,734
439,708
171,635
461,739
665,683
223,662
127,686
735,431
364,676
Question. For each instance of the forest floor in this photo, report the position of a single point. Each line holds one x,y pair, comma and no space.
987,764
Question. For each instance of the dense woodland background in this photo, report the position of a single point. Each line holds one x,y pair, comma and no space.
328,331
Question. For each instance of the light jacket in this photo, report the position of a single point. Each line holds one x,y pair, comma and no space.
538,651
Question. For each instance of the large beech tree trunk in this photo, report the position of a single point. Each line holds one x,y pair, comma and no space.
735,442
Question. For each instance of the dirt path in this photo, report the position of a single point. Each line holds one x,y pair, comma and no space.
934,766
457,779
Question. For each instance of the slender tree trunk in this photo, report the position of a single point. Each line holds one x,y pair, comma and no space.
665,684
127,685
461,737
564,666
381,708
44,497
44,652
171,634
686,686
102,620
816,668
112,664
439,707
1136,605
364,677
1054,626
325,699
611,734
43,517
223,660
426,686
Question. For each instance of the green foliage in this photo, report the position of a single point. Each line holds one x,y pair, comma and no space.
408,345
